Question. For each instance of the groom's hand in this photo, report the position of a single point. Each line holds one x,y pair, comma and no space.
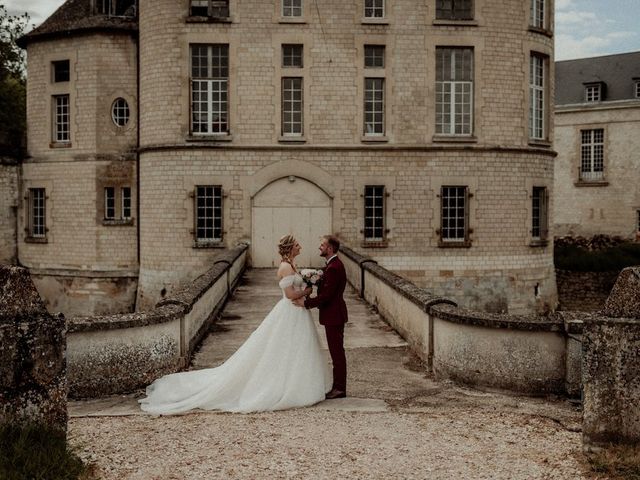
308,291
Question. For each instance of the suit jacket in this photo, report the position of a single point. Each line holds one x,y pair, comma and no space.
330,301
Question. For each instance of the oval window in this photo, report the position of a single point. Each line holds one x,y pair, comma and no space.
120,112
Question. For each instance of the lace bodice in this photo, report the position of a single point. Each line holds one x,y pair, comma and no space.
293,279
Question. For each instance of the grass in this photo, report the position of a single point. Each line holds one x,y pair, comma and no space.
36,452
577,259
616,462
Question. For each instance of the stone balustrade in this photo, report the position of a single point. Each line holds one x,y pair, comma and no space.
525,354
119,353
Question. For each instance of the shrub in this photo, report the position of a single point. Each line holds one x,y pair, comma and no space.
36,452
579,259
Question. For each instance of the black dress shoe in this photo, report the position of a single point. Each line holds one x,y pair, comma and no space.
335,394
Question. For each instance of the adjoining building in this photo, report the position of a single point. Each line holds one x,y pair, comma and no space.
419,132
597,136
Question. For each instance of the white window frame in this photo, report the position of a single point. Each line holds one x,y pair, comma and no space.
374,104
592,155
373,7
593,93
208,213
539,14
120,112
61,119
37,217
292,95
376,213
451,95
537,97
449,204
215,90
539,214
292,8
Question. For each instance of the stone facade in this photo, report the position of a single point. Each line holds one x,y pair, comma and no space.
86,264
609,201
9,170
501,268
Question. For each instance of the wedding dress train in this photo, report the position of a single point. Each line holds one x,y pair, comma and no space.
279,366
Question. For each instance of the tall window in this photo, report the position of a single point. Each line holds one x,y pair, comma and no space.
538,13
292,106
539,216
374,8
454,91
592,155
37,213
454,9
210,8
208,203
291,8
125,193
593,93
209,89
61,119
109,203
537,97
374,90
454,223
374,229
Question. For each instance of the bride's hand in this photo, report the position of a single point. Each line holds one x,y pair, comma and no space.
298,301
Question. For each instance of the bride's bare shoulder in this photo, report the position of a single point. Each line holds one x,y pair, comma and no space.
284,270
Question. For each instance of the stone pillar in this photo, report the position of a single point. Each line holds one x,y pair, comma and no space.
611,367
32,354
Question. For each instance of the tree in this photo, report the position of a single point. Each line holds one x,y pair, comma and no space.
12,84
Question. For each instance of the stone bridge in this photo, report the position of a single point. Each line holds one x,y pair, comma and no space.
397,421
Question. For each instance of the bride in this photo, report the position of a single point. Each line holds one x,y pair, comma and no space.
280,365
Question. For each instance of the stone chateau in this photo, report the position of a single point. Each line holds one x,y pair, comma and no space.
419,131
597,183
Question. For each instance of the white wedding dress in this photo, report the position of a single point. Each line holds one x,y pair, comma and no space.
280,366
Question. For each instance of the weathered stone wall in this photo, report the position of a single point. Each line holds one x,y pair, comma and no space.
32,354
584,291
607,207
119,353
526,354
9,170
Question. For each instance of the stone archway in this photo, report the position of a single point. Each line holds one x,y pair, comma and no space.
289,205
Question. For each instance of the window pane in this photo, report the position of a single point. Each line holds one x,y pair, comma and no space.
292,56
292,106
374,8
374,197
208,220
374,106
453,214
454,91
209,89
374,56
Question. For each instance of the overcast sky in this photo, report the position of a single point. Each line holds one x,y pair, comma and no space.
584,28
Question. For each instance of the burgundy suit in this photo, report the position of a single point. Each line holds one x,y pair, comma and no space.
333,315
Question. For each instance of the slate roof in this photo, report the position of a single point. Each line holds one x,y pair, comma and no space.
616,71
76,16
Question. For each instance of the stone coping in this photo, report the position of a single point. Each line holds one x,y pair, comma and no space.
532,323
179,303
419,296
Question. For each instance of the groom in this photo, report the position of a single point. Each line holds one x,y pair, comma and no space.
333,311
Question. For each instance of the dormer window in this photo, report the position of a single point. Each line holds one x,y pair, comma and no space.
116,8
594,92
210,8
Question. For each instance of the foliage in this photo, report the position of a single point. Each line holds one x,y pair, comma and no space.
37,452
618,462
578,259
12,57
13,123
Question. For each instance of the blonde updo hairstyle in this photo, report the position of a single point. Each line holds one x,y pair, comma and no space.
285,246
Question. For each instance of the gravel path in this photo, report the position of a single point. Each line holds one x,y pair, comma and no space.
409,426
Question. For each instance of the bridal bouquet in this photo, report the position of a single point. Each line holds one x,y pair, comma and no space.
311,277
